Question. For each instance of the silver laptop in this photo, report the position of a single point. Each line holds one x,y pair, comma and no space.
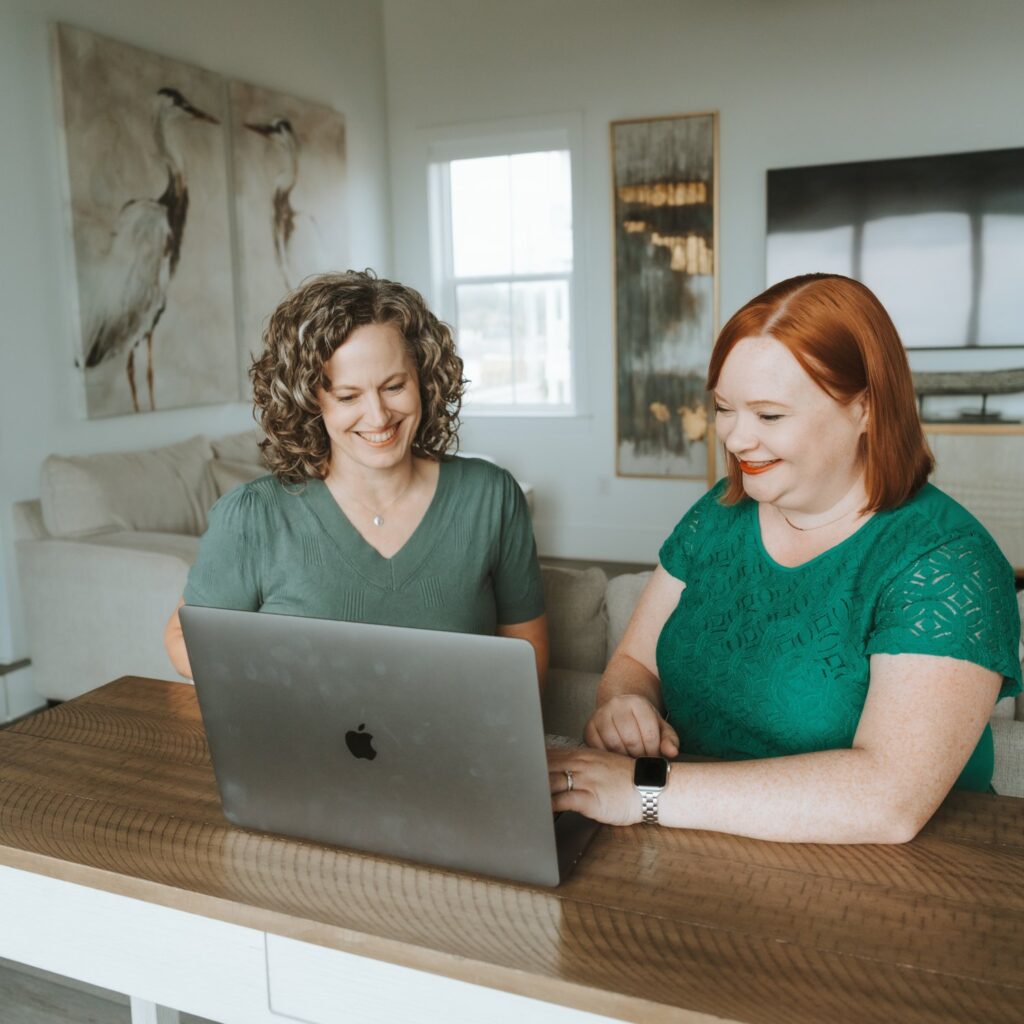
406,742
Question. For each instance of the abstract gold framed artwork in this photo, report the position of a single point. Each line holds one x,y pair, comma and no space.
665,188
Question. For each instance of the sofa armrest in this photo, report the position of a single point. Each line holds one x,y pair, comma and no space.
1020,651
95,609
27,517
1008,739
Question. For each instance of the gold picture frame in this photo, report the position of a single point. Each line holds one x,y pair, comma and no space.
665,240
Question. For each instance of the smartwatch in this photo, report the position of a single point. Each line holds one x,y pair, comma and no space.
650,776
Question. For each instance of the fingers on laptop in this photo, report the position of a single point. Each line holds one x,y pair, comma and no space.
602,785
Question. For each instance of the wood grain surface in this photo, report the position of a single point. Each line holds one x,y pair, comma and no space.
115,790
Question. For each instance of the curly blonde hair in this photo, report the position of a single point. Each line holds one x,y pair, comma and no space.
305,331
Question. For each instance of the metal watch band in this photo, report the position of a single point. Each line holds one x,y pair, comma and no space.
649,806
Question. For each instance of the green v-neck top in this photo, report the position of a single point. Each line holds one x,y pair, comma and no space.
760,660
469,566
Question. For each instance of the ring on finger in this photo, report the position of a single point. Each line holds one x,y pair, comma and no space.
568,779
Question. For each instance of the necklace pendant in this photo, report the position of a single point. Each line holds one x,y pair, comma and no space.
378,520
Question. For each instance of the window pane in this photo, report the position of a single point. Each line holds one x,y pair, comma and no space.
540,342
541,213
512,214
514,340
511,223
481,217
485,342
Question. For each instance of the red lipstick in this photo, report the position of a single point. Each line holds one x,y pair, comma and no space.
753,468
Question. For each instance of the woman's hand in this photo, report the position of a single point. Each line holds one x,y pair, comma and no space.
174,644
602,785
627,719
630,724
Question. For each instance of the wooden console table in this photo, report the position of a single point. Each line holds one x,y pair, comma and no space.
117,868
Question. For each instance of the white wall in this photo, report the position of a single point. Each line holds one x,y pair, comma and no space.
795,81
330,51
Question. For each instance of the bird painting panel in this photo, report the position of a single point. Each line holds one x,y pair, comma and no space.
147,181
291,212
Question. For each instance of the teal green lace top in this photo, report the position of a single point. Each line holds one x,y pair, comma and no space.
761,660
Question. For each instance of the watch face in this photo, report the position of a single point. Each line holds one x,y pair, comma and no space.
650,772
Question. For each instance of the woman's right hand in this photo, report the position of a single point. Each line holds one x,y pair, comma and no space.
174,644
631,724
627,720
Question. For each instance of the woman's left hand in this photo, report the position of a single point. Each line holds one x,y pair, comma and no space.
602,785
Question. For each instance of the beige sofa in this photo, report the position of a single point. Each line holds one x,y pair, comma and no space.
104,553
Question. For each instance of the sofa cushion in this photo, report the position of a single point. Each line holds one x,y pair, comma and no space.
1020,651
623,593
240,447
577,621
568,701
172,545
164,490
228,474
1008,773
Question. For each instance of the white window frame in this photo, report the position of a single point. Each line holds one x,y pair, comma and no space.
506,138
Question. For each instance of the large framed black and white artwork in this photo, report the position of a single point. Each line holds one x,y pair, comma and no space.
147,194
666,296
940,240
290,198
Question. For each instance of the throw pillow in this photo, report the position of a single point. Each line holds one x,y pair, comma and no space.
163,490
623,593
228,474
577,621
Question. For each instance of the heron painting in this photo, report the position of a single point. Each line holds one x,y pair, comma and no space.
290,197
149,215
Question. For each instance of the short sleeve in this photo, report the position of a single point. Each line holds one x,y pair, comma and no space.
677,552
957,601
518,589
226,573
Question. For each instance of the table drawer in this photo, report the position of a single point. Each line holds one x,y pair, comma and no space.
325,986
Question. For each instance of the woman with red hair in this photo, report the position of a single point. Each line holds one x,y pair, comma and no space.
828,626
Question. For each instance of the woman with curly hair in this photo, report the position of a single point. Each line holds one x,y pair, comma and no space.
365,516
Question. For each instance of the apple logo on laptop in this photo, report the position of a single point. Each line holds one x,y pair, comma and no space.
360,743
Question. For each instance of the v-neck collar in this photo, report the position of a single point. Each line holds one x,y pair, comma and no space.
389,573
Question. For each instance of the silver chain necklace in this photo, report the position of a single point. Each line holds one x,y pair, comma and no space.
820,526
378,518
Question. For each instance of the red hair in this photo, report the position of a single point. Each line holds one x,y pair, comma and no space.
841,335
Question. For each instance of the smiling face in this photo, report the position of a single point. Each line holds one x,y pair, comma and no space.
797,447
372,408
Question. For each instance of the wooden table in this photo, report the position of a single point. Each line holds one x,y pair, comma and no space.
116,867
